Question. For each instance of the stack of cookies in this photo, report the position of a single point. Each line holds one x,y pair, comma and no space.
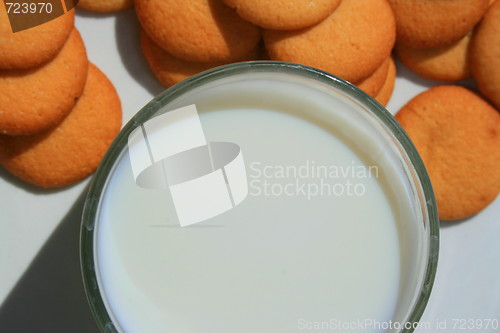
352,39
182,38
456,130
354,42
58,112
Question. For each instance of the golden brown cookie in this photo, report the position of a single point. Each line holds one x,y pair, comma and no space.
32,47
71,151
485,54
201,30
170,70
457,134
35,99
283,14
351,43
445,63
434,23
104,6
384,94
372,84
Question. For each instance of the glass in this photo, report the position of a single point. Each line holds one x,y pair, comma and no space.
382,122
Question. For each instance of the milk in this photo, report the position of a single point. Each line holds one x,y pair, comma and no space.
301,252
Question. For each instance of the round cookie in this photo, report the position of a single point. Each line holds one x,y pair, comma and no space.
385,92
372,84
457,134
170,70
32,47
445,63
201,30
35,99
350,43
105,6
434,23
283,14
485,54
73,150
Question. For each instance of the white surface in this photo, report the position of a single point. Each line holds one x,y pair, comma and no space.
468,279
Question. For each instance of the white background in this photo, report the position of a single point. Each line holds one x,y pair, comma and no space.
40,283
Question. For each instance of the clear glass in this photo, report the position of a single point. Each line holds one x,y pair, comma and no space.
383,125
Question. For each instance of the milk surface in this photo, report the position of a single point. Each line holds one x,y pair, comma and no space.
298,254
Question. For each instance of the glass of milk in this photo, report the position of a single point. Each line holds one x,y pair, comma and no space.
260,197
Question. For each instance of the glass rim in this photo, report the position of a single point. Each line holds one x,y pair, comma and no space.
99,180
